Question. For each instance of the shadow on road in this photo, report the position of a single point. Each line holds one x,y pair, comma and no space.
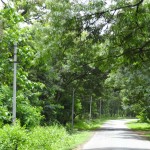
112,129
124,133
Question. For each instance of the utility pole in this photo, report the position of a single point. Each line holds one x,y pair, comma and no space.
90,115
73,108
100,108
14,84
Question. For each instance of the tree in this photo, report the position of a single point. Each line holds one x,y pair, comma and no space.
94,48
27,90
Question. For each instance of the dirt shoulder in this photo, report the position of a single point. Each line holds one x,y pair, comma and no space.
143,134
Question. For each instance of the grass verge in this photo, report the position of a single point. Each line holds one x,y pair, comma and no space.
89,124
84,127
142,129
78,139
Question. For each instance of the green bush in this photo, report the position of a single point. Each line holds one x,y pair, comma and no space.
30,116
39,138
13,137
144,115
53,137
82,125
49,138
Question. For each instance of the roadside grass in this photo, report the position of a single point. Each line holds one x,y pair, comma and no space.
83,130
78,138
89,124
141,128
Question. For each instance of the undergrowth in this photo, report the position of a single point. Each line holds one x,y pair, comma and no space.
89,124
136,125
55,137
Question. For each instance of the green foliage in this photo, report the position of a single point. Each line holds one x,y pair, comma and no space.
99,50
139,126
79,138
144,115
30,116
54,137
89,124
13,137
28,91
5,94
142,128
41,138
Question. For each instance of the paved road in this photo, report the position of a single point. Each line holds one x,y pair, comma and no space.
114,135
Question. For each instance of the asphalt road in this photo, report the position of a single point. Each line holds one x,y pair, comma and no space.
114,135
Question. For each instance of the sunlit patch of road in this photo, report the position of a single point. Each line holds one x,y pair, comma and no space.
114,135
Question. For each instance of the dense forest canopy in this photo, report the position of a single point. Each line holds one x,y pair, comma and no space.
95,48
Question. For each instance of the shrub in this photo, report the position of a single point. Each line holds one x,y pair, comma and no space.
39,138
144,115
49,138
30,116
13,137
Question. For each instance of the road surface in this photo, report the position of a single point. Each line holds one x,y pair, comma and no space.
114,135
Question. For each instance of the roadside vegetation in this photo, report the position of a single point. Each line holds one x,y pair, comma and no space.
54,137
75,60
142,128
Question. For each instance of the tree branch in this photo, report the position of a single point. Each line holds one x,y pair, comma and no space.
98,14
3,2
